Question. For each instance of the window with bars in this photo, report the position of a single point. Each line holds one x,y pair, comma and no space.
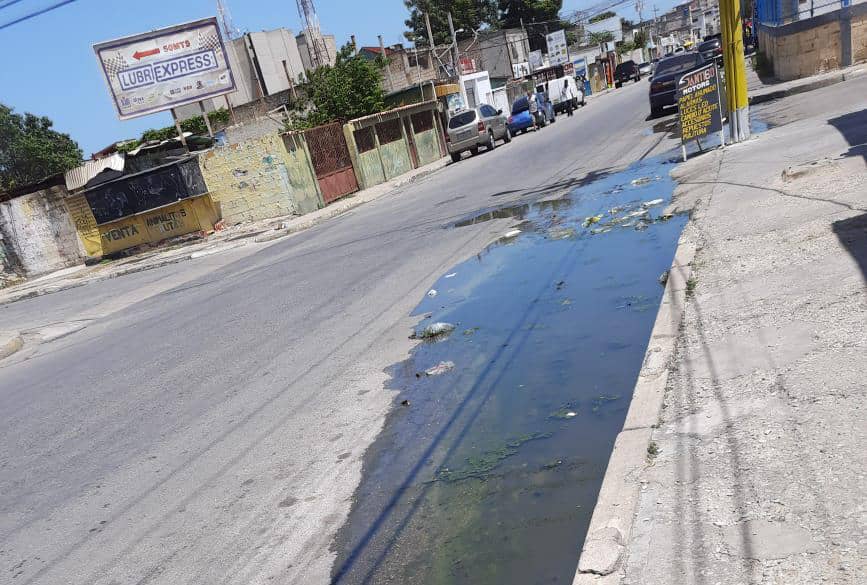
389,131
364,140
422,122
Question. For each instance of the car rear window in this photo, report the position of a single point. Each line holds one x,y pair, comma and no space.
679,64
520,105
462,119
707,46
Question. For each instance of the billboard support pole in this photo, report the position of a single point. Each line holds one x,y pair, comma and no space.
207,120
178,127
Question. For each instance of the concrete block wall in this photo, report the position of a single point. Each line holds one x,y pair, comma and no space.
258,179
38,233
824,43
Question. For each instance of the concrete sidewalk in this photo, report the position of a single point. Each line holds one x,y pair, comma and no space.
754,470
247,234
761,91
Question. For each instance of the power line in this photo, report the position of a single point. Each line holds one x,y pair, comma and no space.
35,13
9,3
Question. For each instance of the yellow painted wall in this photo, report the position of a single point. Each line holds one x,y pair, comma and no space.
258,179
184,217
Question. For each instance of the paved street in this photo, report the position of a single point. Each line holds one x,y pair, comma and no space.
208,423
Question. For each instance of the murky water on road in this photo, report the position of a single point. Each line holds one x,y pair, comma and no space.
487,473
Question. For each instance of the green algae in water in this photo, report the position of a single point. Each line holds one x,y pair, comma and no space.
481,466
566,412
603,399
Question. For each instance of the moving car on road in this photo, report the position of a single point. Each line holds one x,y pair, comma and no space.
479,126
645,68
663,86
626,71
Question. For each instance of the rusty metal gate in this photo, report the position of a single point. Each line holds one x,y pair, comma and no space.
331,161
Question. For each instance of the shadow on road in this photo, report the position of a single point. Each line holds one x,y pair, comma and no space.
852,231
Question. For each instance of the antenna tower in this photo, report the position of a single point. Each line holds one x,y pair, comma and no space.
316,46
229,29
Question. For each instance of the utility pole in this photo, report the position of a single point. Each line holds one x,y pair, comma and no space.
430,38
735,70
457,60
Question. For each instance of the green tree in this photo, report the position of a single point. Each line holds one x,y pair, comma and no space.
640,39
30,150
602,16
350,89
597,38
512,12
468,15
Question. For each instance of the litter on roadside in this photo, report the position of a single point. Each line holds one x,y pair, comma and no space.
433,330
440,368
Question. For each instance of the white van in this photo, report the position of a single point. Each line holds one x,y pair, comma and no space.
556,93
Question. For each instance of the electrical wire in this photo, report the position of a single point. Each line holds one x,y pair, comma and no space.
35,13
9,3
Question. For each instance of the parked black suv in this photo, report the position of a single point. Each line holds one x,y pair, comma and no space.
711,50
626,71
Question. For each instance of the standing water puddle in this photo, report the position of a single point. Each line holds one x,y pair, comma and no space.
487,470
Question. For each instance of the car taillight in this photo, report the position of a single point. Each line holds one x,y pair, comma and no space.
481,126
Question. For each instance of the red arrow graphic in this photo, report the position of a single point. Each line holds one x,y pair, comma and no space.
139,55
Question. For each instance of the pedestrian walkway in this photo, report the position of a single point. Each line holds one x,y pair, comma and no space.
756,469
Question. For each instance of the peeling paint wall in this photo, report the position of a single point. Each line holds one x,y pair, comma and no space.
395,159
258,179
428,147
38,232
371,169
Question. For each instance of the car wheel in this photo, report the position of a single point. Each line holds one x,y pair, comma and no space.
492,143
618,85
456,157
507,136
655,112
474,150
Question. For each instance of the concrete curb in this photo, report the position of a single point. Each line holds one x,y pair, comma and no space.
805,87
11,346
611,524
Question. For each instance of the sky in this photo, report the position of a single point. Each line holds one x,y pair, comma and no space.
47,64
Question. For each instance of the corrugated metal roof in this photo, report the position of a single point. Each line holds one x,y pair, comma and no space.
81,176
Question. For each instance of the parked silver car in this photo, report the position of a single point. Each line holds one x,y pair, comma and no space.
475,127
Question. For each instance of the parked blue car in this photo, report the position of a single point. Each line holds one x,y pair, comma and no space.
520,120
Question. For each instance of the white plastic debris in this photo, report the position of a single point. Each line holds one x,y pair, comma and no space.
641,181
452,275
512,234
432,293
651,203
440,368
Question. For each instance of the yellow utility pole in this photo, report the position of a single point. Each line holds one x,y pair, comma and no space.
735,70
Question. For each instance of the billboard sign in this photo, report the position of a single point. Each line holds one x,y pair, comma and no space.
536,61
165,68
698,100
558,53
611,25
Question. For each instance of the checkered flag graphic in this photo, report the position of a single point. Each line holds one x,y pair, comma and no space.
209,40
115,64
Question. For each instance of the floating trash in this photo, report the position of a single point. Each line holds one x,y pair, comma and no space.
652,203
512,234
433,330
641,181
440,368
432,293
452,275
591,220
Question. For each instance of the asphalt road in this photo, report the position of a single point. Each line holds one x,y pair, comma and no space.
208,423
